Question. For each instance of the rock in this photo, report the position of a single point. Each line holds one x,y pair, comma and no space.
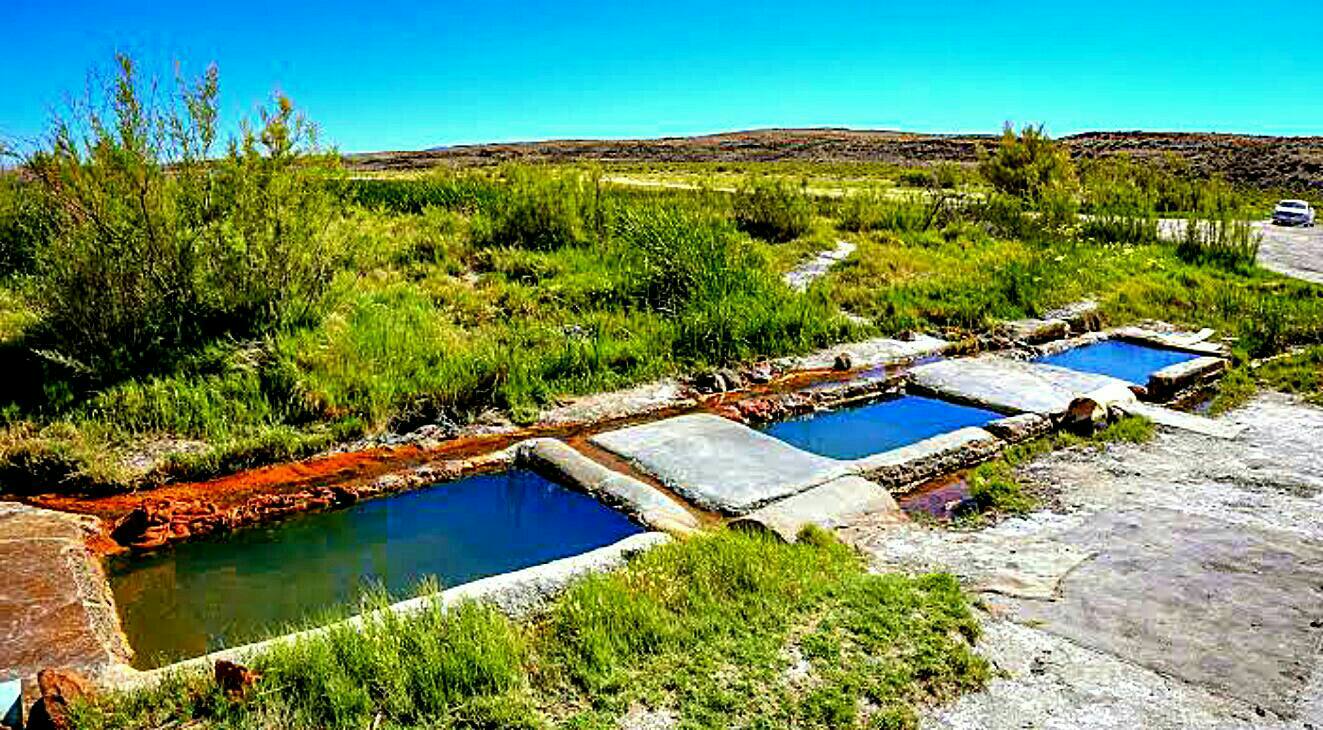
640,500
843,362
732,379
58,689
710,382
1035,331
830,505
1167,382
235,680
1084,415
761,373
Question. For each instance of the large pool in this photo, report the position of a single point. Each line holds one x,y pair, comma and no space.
1125,360
859,431
207,595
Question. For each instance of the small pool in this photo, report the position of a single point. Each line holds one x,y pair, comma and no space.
211,594
1125,360
859,431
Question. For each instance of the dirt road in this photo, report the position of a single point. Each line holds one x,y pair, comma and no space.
1174,584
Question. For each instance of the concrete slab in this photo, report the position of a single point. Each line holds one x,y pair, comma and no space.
718,464
56,609
1011,386
838,502
1235,610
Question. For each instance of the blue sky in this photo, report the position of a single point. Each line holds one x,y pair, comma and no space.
391,75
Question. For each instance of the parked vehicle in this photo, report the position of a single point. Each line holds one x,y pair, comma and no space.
1293,213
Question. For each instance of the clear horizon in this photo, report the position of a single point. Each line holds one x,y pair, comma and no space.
399,76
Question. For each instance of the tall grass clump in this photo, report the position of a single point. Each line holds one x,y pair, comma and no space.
871,210
156,243
540,210
1221,241
446,189
726,303
772,210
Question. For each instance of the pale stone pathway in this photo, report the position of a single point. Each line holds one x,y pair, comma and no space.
800,277
1175,584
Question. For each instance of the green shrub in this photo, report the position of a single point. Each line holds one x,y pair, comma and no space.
1027,165
155,245
772,211
538,210
24,225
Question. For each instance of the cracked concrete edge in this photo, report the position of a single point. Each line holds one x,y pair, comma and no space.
640,500
518,594
902,468
829,505
1165,383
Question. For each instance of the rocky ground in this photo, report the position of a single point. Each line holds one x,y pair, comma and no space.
1272,162
1173,584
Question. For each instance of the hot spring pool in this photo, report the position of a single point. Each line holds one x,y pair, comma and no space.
859,431
1125,360
211,594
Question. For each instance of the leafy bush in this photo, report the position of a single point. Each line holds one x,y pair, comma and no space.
1027,165
772,211
23,224
154,245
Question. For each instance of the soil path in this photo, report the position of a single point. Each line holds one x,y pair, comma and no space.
1175,584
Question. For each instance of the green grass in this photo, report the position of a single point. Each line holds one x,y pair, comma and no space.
705,628
1299,373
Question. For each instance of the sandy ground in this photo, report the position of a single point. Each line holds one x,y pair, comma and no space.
1173,584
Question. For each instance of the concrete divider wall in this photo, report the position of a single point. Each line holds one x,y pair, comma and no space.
910,465
641,501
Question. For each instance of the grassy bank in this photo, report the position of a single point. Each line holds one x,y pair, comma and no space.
724,630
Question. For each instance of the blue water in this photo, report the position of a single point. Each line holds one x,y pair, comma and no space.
1127,361
851,433
206,595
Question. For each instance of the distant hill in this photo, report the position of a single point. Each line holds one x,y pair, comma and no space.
1269,162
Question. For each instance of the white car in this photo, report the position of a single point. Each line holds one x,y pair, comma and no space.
1293,213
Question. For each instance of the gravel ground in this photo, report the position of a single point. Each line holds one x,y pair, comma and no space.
1173,584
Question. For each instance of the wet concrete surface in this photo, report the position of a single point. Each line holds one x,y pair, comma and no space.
1172,584
55,606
